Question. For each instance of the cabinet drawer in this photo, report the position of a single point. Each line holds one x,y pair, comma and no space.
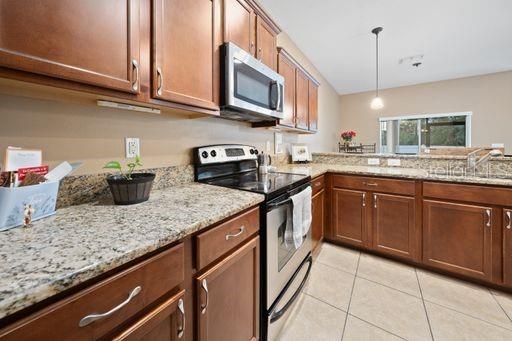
155,277
405,187
215,242
468,193
318,184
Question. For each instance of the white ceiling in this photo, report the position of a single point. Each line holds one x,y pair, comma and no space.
459,38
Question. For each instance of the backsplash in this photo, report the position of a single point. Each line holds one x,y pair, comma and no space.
455,164
76,190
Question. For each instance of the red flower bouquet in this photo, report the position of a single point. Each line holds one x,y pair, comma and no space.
347,136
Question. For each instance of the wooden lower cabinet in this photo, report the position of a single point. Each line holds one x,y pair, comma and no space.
228,297
458,238
349,216
507,247
317,224
166,322
394,225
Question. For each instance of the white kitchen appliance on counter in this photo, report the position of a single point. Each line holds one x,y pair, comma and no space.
300,153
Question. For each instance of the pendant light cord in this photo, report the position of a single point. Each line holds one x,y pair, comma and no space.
377,64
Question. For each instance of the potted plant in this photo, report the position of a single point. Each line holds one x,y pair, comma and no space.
127,187
347,136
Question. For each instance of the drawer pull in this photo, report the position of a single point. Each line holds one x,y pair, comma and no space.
318,183
204,285
372,184
240,231
160,81
93,317
509,225
135,84
181,309
488,213
364,199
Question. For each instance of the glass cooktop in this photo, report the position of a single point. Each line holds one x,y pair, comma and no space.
259,183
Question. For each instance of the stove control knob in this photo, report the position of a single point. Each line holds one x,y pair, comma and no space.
251,151
204,154
213,153
256,151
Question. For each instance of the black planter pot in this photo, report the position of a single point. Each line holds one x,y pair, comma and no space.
128,192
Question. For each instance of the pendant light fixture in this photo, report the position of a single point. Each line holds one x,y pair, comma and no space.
377,101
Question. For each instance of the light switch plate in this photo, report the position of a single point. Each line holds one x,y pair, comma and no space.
498,145
394,162
132,145
374,161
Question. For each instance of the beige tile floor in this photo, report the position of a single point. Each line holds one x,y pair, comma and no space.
356,296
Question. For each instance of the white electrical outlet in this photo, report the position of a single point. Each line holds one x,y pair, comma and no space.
394,162
374,161
132,147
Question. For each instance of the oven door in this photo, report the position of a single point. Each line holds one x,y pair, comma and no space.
283,259
250,85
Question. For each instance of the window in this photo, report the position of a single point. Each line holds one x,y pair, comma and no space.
407,134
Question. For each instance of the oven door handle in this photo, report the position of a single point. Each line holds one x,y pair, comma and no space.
276,315
280,203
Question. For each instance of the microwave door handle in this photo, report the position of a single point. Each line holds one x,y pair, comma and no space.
278,96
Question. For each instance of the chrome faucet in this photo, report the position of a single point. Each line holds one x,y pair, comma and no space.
474,161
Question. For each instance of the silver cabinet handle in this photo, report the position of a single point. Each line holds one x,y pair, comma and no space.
240,231
93,317
181,309
318,183
204,285
372,184
135,84
375,200
509,225
364,199
488,213
160,81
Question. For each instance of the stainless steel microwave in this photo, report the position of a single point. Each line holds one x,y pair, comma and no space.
252,91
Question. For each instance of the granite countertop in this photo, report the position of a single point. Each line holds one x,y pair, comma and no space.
316,169
81,242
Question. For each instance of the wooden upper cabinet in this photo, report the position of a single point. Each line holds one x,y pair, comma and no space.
507,247
185,59
287,69
266,44
92,42
313,106
349,216
302,100
239,24
228,297
458,238
394,229
166,322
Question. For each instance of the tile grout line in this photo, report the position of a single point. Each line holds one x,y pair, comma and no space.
468,315
347,313
424,305
387,286
499,304
376,326
350,300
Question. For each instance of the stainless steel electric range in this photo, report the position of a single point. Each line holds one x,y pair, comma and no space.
284,268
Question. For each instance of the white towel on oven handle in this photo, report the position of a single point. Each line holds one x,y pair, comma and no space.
301,215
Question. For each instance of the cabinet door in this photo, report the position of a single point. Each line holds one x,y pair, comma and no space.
166,322
394,225
287,69
317,225
507,247
313,106
228,297
458,238
88,41
266,44
185,63
239,24
302,99
349,216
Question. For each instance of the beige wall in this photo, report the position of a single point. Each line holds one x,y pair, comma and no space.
487,96
75,129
